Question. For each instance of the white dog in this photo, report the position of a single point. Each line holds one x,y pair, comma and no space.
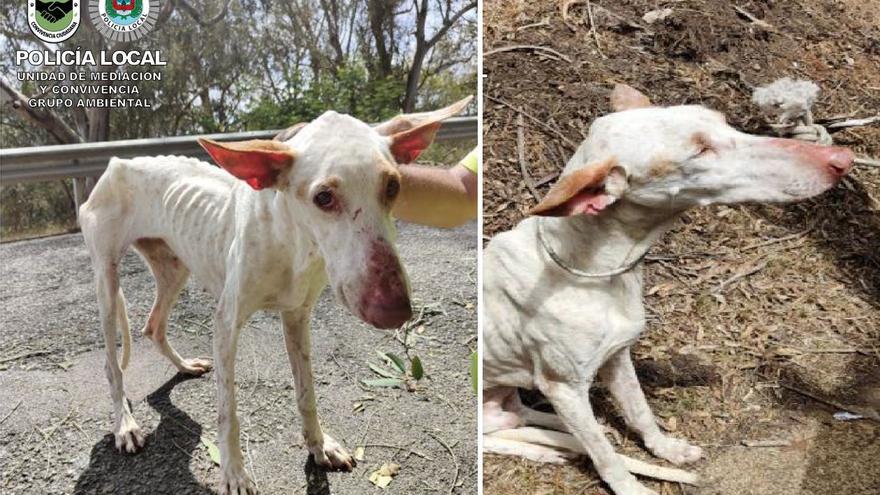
563,290
266,233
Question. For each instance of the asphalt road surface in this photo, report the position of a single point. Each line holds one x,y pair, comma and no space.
55,407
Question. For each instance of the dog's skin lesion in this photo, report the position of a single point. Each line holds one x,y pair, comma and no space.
553,325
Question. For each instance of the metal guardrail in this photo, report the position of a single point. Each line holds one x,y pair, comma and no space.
42,163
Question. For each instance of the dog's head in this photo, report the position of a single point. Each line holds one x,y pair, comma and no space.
338,176
676,157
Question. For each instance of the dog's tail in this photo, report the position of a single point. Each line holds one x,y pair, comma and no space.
122,324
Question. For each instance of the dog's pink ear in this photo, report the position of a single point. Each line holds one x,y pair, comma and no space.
584,191
411,133
258,162
625,97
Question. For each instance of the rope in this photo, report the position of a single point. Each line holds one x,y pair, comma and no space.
580,273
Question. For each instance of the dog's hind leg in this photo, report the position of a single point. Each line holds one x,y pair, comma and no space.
558,442
530,451
126,430
620,377
503,409
170,274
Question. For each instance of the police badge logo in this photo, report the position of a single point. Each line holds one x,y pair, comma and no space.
124,20
53,21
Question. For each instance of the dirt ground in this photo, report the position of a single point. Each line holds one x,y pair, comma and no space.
55,408
760,316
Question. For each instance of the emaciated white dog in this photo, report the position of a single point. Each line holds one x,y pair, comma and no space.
265,231
563,289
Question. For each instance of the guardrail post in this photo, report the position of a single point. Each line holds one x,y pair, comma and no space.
79,189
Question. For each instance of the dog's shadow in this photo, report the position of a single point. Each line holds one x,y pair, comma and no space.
162,466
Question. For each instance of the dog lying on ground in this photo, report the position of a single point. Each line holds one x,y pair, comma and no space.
267,231
563,289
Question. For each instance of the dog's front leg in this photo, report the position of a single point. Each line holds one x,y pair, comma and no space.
327,452
619,376
571,401
234,480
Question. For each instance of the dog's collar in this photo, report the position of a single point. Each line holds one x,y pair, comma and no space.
581,273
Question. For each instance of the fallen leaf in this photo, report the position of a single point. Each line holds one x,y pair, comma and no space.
394,360
359,453
418,372
656,15
383,382
382,372
382,477
213,451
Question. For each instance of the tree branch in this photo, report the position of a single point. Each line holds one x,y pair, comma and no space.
43,118
449,22
197,16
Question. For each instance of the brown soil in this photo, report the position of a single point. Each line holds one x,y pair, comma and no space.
719,366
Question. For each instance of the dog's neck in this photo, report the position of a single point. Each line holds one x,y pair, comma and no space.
613,239
277,217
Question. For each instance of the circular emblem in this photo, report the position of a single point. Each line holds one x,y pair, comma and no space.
53,21
124,20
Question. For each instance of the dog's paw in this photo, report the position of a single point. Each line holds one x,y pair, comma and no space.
196,366
332,456
235,481
674,450
129,437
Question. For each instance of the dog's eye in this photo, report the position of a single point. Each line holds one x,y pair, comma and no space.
324,200
392,188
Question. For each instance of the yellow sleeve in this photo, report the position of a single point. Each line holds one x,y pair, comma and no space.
471,161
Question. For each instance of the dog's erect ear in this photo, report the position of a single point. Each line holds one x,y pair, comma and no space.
586,191
258,162
289,132
625,97
411,133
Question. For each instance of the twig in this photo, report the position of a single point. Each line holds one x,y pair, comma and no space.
454,459
534,48
754,20
868,162
778,240
843,350
867,413
751,271
766,443
593,29
549,129
409,450
10,412
853,123
521,154
23,355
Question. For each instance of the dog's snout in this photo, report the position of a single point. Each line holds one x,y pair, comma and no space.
839,160
384,302
835,160
394,316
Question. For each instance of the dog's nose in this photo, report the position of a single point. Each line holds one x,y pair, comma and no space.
388,316
839,160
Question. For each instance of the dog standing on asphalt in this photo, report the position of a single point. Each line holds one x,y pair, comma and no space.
268,231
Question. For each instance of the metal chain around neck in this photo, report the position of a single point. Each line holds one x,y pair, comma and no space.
581,273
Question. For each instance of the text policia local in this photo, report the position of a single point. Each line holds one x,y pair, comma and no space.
83,57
